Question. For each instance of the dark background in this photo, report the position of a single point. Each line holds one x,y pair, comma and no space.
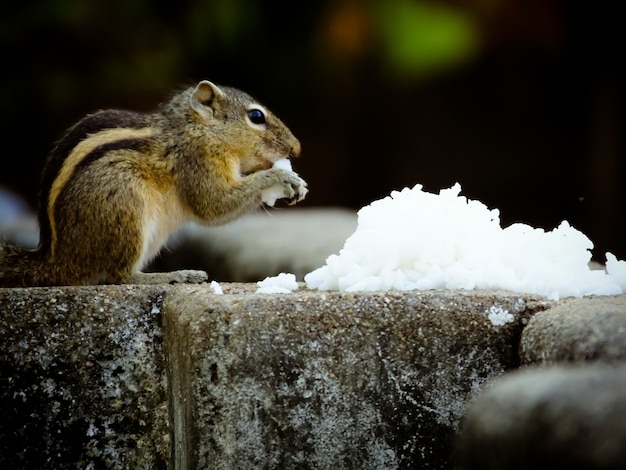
520,101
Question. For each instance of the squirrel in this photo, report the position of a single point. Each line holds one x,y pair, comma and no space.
118,183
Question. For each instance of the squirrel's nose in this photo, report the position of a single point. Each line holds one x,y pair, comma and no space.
295,149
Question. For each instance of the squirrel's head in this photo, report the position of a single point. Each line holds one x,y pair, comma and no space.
252,132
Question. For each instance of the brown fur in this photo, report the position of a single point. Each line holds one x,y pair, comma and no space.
118,183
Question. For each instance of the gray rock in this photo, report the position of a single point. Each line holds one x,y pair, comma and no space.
18,224
565,417
577,330
261,244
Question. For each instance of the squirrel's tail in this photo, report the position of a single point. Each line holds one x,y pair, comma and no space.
20,267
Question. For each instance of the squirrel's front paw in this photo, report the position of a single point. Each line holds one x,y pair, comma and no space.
295,189
290,186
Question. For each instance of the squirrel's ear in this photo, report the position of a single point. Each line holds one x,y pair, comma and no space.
204,96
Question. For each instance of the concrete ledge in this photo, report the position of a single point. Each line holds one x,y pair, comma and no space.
82,381
178,377
321,380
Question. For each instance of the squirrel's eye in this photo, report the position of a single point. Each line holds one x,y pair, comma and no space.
256,116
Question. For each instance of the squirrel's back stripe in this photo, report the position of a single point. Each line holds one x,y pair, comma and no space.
90,125
136,142
87,150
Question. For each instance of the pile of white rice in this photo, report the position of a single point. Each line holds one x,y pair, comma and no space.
417,240
283,283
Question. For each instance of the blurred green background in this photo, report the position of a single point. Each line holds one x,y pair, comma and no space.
521,101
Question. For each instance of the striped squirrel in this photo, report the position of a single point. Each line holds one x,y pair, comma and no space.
119,183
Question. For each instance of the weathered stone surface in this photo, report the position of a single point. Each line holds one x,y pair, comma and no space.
178,377
331,380
576,330
261,244
82,378
554,417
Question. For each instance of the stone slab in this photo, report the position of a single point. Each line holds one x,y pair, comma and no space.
332,380
567,416
577,330
82,382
